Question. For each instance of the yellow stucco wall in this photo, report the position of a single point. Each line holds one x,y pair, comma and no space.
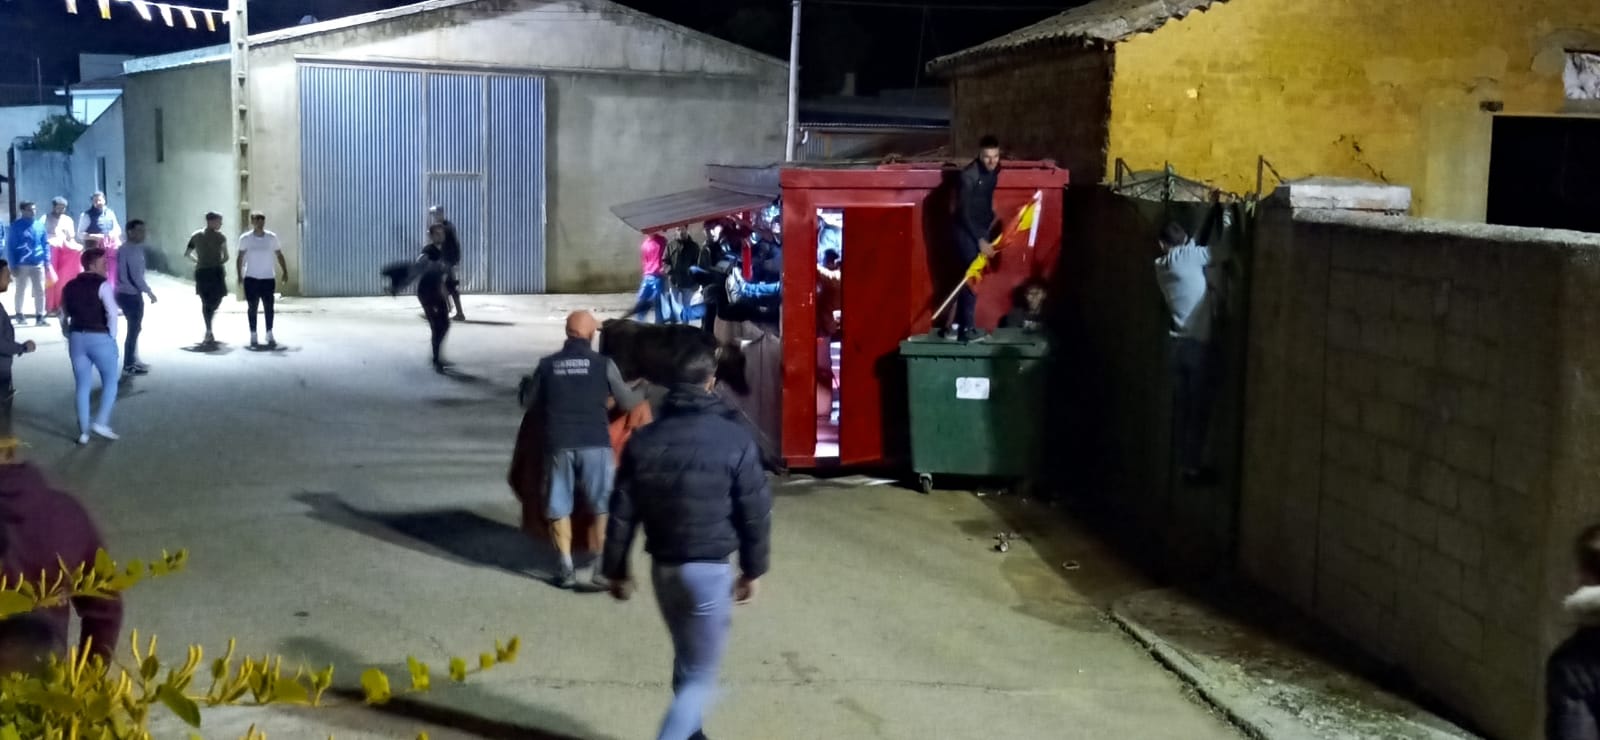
1372,89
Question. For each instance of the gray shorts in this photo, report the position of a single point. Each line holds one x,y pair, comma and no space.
591,469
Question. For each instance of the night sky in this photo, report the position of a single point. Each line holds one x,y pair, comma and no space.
878,39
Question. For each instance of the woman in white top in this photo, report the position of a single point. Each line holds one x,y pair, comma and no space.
65,251
89,320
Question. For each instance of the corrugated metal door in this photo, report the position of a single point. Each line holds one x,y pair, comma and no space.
361,141
380,144
516,184
456,166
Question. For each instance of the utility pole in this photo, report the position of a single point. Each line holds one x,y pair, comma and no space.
239,70
794,82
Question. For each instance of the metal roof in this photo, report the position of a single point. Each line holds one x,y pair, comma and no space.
688,207
1102,22
209,54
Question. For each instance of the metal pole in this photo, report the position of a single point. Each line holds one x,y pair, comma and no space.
794,83
239,71
38,75
922,36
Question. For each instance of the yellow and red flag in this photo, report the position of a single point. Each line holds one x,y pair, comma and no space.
1025,222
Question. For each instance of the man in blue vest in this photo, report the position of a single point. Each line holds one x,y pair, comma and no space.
572,388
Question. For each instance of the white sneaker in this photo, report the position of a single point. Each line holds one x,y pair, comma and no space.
104,431
253,341
83,439
270,341
210,339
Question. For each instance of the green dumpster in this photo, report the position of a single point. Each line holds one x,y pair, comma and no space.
976,409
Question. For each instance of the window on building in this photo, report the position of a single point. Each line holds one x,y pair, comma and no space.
100,175
161,137
1583,79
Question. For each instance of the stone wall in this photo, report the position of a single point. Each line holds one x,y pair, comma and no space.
1421,442
1053,106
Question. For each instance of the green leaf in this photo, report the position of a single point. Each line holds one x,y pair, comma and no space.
376,686
13,603
150,668
219,668
104,566
9,732
291,691
180,705
420,680
458,670
508,654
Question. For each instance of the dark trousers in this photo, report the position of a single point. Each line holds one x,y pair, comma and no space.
452,284
438,312
258,292
1195,384
8,393
966,301
132,305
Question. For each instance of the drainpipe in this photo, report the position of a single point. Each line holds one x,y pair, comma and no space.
794,83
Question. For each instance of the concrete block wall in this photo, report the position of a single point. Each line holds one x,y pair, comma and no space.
1054,106
1419,443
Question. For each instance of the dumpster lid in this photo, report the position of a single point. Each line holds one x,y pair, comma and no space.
1002,343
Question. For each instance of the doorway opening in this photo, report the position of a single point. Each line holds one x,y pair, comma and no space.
830,315
1541,172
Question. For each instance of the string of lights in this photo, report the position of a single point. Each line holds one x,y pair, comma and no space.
171,14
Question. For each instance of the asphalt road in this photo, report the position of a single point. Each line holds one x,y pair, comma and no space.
344,504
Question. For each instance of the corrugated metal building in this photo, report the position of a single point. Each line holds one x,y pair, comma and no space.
525,119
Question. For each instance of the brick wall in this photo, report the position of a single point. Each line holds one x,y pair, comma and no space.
1420,442
1043,107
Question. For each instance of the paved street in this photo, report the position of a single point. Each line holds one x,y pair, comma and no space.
342,503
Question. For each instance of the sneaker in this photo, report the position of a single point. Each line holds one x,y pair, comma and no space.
41,321
136,369
270,341
567,578
104,431
209,339
973,335
459,317
253,342
83,439
19,320
597,584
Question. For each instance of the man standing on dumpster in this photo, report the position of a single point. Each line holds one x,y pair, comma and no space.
974,221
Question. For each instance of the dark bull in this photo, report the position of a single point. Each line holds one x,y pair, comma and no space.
650,352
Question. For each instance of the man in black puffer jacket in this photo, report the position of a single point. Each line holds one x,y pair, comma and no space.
693,480
1572,677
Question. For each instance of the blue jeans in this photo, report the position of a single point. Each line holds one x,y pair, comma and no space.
653,292
132,305
91,353
696,601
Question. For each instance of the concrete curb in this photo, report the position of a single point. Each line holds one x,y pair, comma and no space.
1248,719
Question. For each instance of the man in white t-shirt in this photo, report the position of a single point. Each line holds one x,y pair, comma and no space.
259,260
1191,282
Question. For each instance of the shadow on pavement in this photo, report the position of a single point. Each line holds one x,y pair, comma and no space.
469,701
463,535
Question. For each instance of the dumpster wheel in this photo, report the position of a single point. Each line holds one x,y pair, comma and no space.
925,481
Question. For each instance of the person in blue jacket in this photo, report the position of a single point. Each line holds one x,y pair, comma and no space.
28,252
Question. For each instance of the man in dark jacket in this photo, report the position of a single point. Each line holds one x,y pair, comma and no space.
450,253
572,388
1572,676
40,528
693,480
974,222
